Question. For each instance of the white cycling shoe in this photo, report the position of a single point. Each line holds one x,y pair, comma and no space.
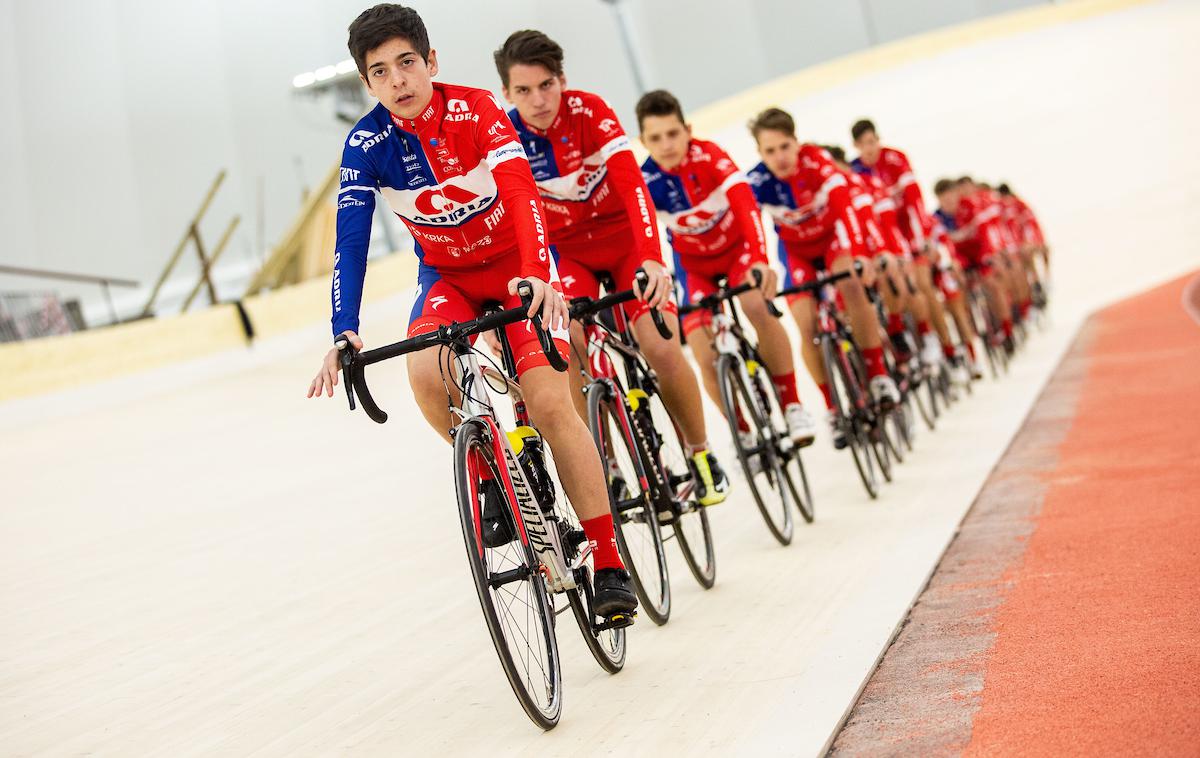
802,427
884,391
931,352
959,374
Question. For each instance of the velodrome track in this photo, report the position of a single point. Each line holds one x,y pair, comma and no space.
196,560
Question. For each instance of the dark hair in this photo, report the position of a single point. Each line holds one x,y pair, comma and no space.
861,127
943,186
380,23
1004,189
964,180
837,152
531,48
774,119
658,102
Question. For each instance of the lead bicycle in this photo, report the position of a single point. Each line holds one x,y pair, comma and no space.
524,585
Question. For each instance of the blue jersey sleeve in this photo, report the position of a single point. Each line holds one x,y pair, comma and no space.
356,204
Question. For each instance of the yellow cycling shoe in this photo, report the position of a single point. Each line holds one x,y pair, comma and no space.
712,486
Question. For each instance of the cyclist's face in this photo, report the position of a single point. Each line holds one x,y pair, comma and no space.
780,152
666,137
868,147
536,92
949,201
400,78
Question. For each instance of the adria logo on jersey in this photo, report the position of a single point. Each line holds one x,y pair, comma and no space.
459,111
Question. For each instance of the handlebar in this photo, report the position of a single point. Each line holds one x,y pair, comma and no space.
713,302
585,307
353,362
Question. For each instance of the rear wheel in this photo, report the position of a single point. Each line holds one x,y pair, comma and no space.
634,515
757,452
512,594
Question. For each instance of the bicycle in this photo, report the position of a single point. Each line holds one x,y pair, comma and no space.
650,481
988,327
549,559
769,458
858,417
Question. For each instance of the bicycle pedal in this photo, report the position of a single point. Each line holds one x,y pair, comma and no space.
615,621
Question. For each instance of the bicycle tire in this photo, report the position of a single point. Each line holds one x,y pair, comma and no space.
735,395
790,459
472,453
689,523
837,376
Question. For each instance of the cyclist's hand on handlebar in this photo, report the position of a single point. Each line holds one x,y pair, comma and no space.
327,377
770,280
546,300
658,285
868,273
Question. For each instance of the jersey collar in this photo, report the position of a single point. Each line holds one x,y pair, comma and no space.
429,118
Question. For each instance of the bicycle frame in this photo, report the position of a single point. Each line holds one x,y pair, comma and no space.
537,530
602,372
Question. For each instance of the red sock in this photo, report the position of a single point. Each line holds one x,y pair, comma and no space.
786,384
948,350
895,323
874,358
971,349
599,532
1007,326
826,393
923,328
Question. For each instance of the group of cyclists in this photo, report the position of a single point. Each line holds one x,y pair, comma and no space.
544,207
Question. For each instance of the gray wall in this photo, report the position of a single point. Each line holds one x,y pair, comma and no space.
116,114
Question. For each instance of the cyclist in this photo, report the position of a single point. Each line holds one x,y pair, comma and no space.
978,242
715,229
806,196
448,162
1028,235
601,219
892,168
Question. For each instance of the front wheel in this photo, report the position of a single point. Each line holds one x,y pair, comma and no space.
757,452
677,502
512,594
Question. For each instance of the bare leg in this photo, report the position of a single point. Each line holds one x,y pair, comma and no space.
551,411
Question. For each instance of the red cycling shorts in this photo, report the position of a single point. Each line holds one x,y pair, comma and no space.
444,297
581,260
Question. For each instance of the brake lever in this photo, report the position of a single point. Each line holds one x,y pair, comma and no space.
641,278
346,358
525,292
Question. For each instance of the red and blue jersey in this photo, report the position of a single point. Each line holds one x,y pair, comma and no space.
589,181
706,204
812,206
457,177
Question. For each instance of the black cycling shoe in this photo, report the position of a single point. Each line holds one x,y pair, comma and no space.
497,524
613,592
